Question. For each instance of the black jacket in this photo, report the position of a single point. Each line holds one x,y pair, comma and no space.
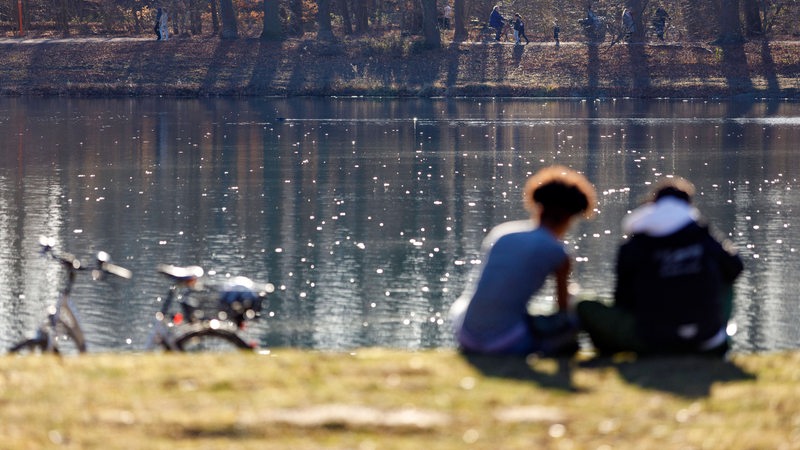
674,285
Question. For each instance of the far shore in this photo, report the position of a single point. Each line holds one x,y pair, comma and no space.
210,67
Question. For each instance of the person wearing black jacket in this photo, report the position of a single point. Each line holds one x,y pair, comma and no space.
674,286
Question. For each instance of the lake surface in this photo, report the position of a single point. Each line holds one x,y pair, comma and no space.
367,214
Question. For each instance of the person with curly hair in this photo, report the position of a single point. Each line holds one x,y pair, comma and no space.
492,317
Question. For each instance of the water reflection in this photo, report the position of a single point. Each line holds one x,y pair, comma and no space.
368,214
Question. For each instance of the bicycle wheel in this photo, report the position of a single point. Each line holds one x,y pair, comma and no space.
210,340
30,346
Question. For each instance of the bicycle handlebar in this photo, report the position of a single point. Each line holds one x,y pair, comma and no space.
72,263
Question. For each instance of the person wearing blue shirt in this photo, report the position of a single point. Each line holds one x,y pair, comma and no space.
492,317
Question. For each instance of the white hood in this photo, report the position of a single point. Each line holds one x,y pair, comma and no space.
662,218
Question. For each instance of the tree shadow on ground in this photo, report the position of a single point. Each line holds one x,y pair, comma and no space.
687,376
735,68
554,373
769,66
516,55
640,71
593,67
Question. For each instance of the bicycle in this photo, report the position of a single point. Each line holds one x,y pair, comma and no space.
62,324
211,315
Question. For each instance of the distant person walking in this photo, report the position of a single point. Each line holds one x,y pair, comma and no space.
628,25
163,25
660,22
157,27
497,21
519,29
448,16
556,32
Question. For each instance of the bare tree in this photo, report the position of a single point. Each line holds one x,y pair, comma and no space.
361,10
429,28
344,11
296,18
230,29
272,29
459,13
752,18
62,17
637,8
324,29
214,17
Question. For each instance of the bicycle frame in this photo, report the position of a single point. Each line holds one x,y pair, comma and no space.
173,331
62,313
182,279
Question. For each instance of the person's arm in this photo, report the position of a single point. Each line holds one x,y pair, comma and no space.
562,285
623,290
726,255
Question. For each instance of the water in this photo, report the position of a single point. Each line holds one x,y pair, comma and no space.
368,214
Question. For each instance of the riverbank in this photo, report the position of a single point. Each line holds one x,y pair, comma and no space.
394,66
391,399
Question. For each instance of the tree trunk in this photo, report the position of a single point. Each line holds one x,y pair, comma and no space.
324,30
637,8
730,26
62,17
296,18
362,16
460,33
229,25
272,21
752,18
214,17
430,30
347,22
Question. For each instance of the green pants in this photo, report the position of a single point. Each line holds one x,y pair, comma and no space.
611,329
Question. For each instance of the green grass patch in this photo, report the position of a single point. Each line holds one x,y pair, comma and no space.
375,398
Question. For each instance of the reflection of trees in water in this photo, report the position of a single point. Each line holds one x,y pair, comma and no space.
226,183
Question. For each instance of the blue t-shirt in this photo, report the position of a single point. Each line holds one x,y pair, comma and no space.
516,268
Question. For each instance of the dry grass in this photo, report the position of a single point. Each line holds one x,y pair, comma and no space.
376,398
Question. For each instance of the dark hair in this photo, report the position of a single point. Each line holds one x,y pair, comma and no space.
677,187
560,193
560,201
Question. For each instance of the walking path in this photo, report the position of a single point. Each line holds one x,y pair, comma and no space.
36,41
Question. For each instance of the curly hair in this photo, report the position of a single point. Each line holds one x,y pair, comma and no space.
559,193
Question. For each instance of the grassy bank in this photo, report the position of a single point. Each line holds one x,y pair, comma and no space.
394,66
393,399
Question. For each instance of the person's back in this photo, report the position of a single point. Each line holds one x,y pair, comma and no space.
673,285
516,268
674,282
492,316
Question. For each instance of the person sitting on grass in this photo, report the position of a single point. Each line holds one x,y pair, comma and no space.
674,286
492,317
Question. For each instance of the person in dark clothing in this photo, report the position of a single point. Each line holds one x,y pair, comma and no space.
660,22
674,287
556,32
497,21
157,27
628,25
519,29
